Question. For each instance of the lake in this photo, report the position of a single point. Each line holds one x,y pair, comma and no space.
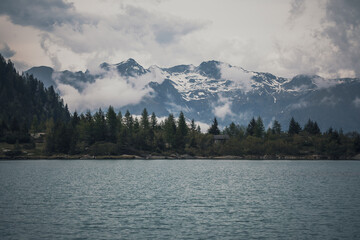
179,199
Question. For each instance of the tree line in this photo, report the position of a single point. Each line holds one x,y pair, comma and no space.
111,133
27,108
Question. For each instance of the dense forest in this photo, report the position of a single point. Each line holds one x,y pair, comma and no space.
34,122
24,101
114,134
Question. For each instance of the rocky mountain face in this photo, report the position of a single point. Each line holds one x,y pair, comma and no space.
228,92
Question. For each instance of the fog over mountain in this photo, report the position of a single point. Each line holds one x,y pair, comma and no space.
213,88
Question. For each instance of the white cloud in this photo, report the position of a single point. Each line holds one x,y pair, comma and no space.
325,83
111,89
237,75
223,108
299,105
203,126
295,37
356,102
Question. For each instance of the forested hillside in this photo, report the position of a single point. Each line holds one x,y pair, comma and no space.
24,101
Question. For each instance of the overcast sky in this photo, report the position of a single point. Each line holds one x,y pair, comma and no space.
284,37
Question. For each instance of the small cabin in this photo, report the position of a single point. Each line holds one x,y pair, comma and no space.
221,138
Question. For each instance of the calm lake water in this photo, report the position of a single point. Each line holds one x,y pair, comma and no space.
168,199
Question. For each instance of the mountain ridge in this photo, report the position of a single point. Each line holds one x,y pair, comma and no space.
233,94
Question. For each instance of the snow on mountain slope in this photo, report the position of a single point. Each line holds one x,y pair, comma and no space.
218,89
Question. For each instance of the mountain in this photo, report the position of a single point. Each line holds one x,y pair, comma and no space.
230,93
44,73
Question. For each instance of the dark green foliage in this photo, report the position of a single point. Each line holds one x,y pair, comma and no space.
111,125
87,135
181,132
214,129
276,128
27,107
256,128
170,130
294,127
312,127
25,104
250,130
259,128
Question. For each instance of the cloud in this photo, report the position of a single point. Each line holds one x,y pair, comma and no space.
133,28
203,126
223,108
325,83
343,30
331,100
45,45
41,14
6,51
297,8
299,105
240,77
109,89
356,102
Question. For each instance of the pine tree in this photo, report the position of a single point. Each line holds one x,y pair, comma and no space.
214,129
112,124
144,121
170,130
192,126
181,131
312,127
153,121
259,128
276,128
75,119
250,130
99,126
294,127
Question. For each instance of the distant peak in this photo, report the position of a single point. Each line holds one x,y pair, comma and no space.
130,61
104,65
210,62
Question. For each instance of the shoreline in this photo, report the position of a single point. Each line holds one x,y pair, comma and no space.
178,157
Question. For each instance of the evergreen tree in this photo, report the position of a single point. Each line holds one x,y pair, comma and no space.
233,130
170,130
144,121
112,124
312,127
294,127
119,118
192,126
259,128
250,130
276,128
153,121
181,131
99,126
182,126
129,121
214,130
75,119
